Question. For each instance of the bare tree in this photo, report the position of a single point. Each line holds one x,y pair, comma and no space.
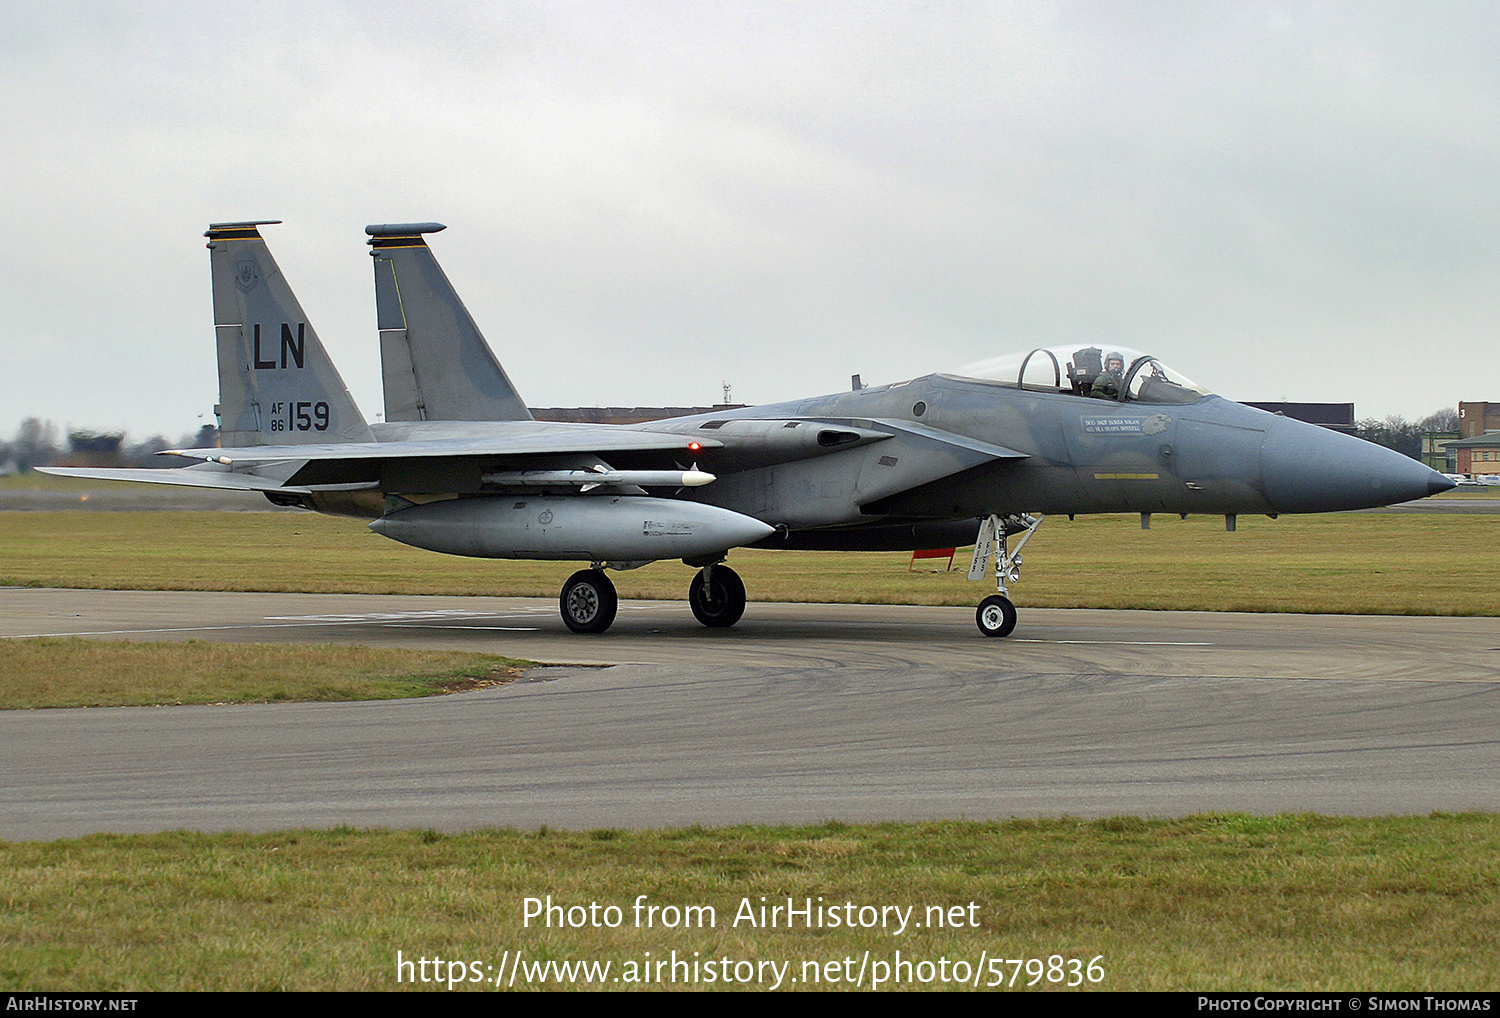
36,443
205,437
1395,432
143,454
1445,419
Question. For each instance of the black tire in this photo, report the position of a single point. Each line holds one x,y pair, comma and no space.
588,602
721,604
996,616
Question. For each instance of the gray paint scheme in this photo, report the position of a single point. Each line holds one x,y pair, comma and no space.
629,528
271,363
979,447
434,362
910,465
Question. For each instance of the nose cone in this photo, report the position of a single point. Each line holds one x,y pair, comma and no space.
1309,469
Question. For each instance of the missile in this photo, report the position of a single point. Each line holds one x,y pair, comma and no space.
583,528
586,479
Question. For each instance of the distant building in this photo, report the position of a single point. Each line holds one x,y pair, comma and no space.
1477,455
1333,416
1438,452
623,415
207,437
1475,419
94,449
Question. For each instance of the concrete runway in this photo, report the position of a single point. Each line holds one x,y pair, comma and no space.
1463,506
800,714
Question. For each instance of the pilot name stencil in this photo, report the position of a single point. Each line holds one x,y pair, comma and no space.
1153,425
1113,425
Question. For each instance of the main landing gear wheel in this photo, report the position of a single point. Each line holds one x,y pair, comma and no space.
589,602
996,616
717,595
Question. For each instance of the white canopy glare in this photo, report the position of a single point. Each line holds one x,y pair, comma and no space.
1116,373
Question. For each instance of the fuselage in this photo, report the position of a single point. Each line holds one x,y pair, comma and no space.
1082,455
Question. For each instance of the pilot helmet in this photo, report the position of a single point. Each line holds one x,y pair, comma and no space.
1114,355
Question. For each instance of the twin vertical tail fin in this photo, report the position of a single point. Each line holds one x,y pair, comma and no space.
277,385
436,364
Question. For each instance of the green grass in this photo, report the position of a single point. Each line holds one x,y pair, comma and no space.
113,673
1355,563
30,480
1218,902
1210,902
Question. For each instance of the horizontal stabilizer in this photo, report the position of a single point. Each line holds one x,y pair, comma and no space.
202,476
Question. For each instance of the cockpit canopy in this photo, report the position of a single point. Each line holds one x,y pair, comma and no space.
1085,371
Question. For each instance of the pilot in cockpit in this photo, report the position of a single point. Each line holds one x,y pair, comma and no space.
1109,381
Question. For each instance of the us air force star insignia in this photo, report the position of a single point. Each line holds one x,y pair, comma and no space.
245,276
1155,424
545,517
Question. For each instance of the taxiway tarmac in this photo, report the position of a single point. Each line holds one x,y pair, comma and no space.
799,714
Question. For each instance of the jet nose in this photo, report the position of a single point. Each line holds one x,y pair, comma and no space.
1308,469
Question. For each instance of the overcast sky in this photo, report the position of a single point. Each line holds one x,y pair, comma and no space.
1281,200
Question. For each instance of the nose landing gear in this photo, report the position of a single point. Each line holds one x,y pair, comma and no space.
996,615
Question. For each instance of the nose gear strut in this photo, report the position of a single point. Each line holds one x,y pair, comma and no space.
996,615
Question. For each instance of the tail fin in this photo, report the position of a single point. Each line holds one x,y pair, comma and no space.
277,385
435,363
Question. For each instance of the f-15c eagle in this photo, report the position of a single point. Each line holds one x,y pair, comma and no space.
978,456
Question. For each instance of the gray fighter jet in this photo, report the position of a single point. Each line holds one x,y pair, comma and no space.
980,455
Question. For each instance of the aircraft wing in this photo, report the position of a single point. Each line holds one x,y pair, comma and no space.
596,441
901,454
918,455
971,446
358,464
750,442
203,475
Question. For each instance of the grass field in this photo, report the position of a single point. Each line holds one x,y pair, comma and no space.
1202,903
96,673
1356,563
1210,902
32,481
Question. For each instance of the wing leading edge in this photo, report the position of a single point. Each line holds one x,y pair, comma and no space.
203,475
